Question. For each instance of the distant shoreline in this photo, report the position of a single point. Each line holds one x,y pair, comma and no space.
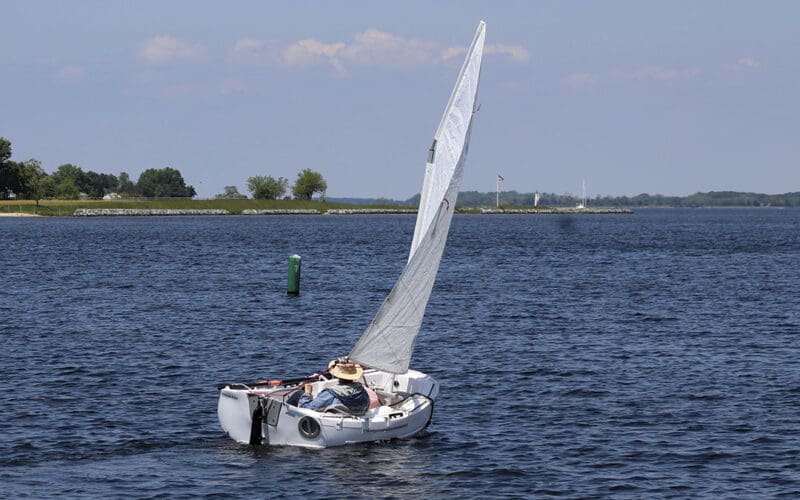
162,212
551,211
250,207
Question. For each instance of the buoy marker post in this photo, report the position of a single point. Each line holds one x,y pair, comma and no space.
293,284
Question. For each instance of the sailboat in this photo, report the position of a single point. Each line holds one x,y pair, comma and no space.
403,399
582,204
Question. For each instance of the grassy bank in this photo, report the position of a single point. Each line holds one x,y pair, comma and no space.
68,207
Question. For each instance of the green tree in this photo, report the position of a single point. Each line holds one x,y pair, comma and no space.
163,183
309,182
10,171
12,179
96,185
68,171
230,193
5,150
267,188
67,189
36,183
125,185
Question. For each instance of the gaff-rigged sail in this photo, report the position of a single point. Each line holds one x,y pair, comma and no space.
388,342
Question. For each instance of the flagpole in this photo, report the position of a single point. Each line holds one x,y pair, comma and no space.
498,180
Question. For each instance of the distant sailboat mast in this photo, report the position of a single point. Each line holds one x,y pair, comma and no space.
583,186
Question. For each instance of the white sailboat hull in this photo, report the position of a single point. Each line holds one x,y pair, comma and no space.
407,408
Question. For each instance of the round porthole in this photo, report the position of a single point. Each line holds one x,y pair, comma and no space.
308,427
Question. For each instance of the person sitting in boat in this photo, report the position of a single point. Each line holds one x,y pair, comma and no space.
348,395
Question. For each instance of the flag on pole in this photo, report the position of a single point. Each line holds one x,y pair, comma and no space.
500,177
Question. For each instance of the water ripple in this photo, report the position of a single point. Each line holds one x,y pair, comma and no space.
645,356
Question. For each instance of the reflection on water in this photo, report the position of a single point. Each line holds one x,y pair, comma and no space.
566,221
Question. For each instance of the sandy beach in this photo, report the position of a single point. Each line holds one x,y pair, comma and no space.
18,214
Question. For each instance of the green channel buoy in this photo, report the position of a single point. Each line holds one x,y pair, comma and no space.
293,285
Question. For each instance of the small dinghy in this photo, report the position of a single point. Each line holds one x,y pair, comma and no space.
401,399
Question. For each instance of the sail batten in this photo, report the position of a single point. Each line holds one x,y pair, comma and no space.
388,341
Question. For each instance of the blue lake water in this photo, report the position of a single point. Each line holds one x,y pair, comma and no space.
647,355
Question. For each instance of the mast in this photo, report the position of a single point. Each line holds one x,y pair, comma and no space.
584,192
583,186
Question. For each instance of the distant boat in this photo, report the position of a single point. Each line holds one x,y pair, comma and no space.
582,204
258,413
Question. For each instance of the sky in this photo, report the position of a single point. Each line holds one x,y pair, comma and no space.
634,97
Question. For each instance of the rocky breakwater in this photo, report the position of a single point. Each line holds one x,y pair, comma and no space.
370,211
309,211
106,212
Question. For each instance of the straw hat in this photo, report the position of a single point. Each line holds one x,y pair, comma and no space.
345,371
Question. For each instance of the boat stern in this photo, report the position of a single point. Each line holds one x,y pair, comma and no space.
235,414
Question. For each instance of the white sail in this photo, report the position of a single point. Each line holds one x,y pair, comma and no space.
388,342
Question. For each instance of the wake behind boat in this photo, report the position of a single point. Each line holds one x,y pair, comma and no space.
401,399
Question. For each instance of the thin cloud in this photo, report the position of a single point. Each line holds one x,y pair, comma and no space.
165,49
654,73
453,52
203,90
310,52
749,63
250,51
383,50
579,80
232,86
370,49
515,53
248,45
69,74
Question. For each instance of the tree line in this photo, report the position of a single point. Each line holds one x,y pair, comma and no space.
708,199
28,180
267,187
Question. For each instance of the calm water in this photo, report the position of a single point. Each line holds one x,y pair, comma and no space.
649,355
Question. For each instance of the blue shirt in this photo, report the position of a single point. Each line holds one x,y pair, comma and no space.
351,397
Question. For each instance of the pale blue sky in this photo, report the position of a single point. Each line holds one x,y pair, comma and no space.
658,97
